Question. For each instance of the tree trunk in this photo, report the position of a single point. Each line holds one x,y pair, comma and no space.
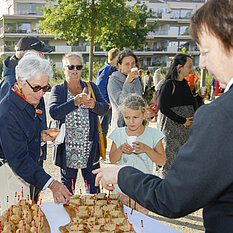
91,54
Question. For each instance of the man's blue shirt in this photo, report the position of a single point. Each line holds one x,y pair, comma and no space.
102,79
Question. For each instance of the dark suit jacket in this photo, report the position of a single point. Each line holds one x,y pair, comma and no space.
20,139
59,107
201,176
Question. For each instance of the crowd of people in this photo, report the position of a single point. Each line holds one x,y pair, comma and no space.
190,149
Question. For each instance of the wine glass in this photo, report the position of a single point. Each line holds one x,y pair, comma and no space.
53,132
87,91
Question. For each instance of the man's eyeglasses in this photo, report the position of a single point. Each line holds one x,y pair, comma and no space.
38,88
71,67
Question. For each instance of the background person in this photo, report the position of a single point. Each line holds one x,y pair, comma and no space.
25,44
177,106
20,134
145,152
202,174
157,76
148,80
102,83
122,83
68,105
192,80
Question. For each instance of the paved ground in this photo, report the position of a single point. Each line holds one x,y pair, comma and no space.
189,224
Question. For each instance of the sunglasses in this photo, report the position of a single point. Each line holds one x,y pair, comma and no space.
38,88
71,67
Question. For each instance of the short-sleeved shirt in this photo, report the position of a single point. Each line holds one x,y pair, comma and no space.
141,161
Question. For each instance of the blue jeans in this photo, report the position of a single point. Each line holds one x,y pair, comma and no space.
105,121
71,174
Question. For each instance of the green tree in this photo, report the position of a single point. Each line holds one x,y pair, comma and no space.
109,22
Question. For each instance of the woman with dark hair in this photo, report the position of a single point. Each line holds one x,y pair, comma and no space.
122,83
177,106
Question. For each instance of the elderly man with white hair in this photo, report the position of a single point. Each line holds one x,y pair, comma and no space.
20,135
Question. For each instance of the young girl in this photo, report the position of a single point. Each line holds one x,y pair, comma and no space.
145,151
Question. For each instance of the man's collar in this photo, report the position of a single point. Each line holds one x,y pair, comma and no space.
229,84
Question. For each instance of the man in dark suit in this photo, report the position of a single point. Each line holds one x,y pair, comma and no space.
202,174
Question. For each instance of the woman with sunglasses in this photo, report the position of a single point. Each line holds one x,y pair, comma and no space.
177,105
77,112
20,134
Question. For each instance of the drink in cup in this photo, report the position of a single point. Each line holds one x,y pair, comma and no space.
53,132
87,92
134,69
130,140
203,90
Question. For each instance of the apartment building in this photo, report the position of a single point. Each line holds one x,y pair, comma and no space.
20,18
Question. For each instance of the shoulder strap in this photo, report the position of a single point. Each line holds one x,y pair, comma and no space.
93,95
92,92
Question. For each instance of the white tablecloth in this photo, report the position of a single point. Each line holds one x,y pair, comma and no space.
57,216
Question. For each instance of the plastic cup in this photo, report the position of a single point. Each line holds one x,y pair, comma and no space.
203,90
131,139
134,69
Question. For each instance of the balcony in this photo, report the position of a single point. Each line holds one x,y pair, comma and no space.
79,48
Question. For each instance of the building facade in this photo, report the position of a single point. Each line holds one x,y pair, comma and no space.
20,18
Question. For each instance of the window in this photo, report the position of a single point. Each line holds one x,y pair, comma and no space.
29,9
160,12
173,43
24,28
174,14
185,14
10,27
184,30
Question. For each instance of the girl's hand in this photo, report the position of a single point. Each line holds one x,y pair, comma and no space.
126,148
139,147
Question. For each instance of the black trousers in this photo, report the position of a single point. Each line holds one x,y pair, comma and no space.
71,174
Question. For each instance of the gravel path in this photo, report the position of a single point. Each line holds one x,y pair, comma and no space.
189,224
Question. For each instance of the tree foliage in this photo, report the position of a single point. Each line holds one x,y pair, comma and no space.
109,22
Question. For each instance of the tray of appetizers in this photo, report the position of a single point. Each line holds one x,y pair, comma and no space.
96,213
24,217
